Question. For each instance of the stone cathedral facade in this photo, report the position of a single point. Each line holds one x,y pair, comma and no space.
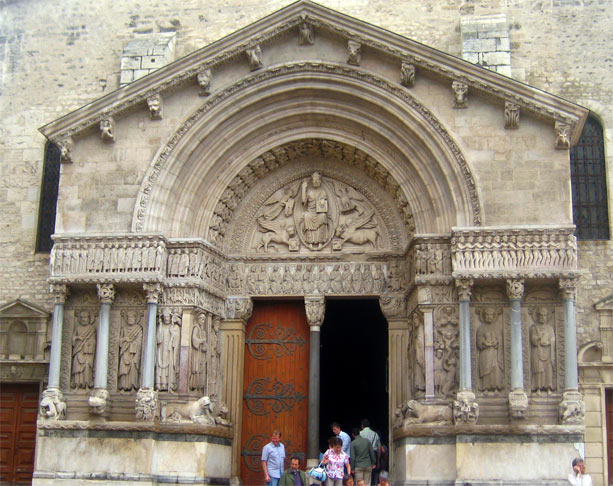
214,156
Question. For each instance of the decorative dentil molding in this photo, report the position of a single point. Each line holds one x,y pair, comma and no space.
315,307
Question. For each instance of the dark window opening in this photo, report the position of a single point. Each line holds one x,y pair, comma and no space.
48,198
589,184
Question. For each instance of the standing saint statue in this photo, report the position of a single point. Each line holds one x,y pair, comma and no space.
130,343
83,350
214,361
197,361
489,344
168,342
542,343
315,218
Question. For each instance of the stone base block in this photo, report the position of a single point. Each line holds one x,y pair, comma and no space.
429,461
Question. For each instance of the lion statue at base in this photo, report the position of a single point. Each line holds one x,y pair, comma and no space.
414,412
198,412
51,407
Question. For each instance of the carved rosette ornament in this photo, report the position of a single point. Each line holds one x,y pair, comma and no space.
106,293
60,292
393,306
239,308
572,408
154,103
355,53
315,307
511,115
204,81
307,34
52,405
465,408
518,404
153,292
460,94
107,130
562,132
98,401
407,74
254,58
515,289
146,404
464,287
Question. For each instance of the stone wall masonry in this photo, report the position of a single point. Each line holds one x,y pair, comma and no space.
486,42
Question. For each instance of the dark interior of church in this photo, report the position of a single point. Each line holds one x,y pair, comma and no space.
354,349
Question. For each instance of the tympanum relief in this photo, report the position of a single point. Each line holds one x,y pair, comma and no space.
313,214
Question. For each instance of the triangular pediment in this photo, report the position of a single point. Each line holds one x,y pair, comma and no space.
604,304
20,308
233,48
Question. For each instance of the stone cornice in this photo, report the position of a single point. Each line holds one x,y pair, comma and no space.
280,23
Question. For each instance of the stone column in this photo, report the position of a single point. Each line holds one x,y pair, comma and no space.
238,312
424,298
465,407
147,396
572,408
99,396
518,400
53,405
315,307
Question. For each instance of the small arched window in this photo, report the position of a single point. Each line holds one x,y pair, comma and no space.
48,198
589,184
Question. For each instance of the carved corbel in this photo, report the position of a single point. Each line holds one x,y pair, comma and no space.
154,103
107,129
204,81
147,404
315,306
254,57
407,74
153,292
307,34
562,131
60,292
106,293
66,145
98,401
460,94
464,287
239,308
518,404
515,289
355,53
393,306
465,408
511,115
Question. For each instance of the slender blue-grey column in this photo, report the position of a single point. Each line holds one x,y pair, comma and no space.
60,292
315,307
106,295
464,291
571,381
518,400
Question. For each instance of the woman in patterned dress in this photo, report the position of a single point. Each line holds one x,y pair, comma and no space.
336,461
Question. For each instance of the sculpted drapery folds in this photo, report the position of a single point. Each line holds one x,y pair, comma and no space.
314,227
489,345
214,361
542,343
446,350
130,344
83,350
197,361
168,342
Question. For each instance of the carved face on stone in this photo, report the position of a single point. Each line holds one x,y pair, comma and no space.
201,319
84,317
131,317
542,315
166,316
316,179
488,315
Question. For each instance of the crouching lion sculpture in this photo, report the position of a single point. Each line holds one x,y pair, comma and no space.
414,412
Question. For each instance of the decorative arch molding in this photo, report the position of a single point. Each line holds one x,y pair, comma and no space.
217,146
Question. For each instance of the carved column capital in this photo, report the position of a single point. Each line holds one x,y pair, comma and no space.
106,293
515,289
315,306
153,291
465,287
511,115
393,306
60,292
146,404
568,288
239,308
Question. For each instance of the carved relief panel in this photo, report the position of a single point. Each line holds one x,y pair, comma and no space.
446,350
168,344
205,356
417,356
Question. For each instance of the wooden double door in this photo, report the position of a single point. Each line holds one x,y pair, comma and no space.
18,412
276,382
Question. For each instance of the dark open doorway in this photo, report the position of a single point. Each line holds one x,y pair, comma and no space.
354,348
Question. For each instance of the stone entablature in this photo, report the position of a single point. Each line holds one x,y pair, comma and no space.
514,252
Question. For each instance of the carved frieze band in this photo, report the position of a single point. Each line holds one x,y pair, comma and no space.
514,252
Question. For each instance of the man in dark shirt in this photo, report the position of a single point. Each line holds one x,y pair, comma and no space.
294,476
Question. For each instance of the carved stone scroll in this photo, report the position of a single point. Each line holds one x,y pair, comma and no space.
511,115
460,94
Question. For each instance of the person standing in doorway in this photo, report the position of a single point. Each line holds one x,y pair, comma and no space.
578,476
336,461
273,456
344,436
363,457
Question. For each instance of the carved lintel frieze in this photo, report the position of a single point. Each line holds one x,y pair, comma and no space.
465,408
154,103
98,401
52,405
355,53
65,145
239,308
562,134
572,408
307,34
106,293
464,287
460,94
515,289
511,115
315,306
107,129
407,74
254,58
568,288
60,292
393,306
204,81
518,404
153,292
147,404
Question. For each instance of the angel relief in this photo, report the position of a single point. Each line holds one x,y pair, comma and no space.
315,213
